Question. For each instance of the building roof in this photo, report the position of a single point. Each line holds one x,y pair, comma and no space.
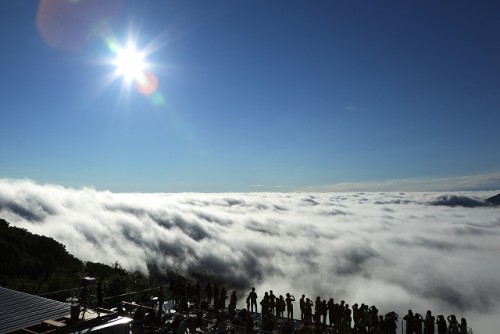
19,310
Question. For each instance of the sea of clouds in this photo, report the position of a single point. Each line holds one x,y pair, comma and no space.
398,251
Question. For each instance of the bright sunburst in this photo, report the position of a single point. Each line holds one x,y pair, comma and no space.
130,63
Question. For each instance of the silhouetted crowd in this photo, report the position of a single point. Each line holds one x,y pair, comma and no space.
211,314
324,316
415,321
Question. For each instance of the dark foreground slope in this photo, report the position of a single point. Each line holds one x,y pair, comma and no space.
37,264
34,263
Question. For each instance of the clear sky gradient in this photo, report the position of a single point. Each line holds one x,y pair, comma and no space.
250,95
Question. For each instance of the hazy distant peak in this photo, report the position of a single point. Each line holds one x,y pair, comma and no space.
494,200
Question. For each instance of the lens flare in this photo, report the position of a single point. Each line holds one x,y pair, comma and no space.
157,99
69,24
147,83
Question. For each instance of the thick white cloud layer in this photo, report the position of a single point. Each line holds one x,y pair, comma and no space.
395,250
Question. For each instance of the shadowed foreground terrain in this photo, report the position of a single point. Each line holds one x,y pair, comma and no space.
38,264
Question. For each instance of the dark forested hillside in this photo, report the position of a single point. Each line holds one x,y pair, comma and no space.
34,263
38,264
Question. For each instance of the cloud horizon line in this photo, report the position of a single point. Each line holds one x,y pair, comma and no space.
479,182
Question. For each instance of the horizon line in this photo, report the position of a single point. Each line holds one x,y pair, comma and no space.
479,182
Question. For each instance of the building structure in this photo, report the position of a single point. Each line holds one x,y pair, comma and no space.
24,313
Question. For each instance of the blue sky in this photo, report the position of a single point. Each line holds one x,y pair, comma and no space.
253,95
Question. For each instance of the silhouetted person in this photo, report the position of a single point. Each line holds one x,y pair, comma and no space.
417,324
218,325
441,324
161,301
249,323
287,327
252,296
317,310
197,291
340,311
267,322
198,321
391,322
99,294
280,306
180,292
289,306
84,295
139,314
150,318
453,324
330,307
304,327
380,327
463,326
302,304
337,314
308,310
233,300
272,302
189,291
429,323
373,317
317,328
232,305
171,287
175,324
238,320
363,325
410,322
138,317
324,311
209,292
216,293
222,298
355,314
264,303
345,323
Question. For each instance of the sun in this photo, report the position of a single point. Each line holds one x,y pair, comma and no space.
130,63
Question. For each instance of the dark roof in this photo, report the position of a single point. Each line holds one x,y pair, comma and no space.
20,310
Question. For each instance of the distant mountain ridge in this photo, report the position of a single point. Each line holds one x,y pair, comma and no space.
494,199
465,201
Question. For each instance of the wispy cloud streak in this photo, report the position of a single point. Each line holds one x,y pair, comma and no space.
458,183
